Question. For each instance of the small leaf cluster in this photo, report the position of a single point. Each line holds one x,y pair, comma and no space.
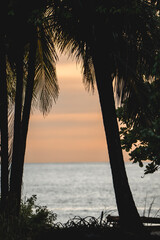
140,131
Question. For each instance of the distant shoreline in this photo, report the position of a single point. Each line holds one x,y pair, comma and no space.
89,162
78,162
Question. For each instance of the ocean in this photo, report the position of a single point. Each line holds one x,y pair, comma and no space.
86,189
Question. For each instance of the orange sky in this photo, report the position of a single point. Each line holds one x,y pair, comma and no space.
73,131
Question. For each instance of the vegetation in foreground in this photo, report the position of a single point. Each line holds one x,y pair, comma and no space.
38,223
30,222
126,53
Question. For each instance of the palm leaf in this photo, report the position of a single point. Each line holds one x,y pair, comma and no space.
11,88
125,38
68,39
10,131
46,87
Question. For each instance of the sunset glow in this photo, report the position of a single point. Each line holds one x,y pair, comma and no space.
66,137
73,131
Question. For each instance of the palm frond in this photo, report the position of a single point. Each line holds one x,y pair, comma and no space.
46,86
68,40
125,36
10,131
11,81
11,88
88,70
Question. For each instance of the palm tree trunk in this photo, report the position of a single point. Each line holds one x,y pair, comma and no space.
15,167
3,127
129,217
26,116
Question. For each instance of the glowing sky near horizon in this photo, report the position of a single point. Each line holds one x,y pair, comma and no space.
73,130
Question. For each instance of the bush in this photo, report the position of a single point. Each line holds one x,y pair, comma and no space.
33,219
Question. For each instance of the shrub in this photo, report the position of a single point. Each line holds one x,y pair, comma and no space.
32,220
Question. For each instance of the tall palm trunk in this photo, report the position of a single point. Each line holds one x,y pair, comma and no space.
3,127
17,173
15,167
26,115
129,217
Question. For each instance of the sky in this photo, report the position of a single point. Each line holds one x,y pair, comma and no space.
73,130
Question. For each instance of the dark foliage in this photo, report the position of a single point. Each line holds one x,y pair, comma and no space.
38,223
140,131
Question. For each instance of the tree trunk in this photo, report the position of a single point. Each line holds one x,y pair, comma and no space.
26,115
3,127
15,167
129,217
17,173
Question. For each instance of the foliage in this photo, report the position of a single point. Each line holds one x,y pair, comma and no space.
126,33
86,222
32,220
114,40
140,131
36,222
115,31
34,23
29,77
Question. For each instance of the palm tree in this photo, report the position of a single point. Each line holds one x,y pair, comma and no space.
42,83
114,42
29,50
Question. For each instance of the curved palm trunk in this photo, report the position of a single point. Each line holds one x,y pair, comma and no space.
3,127
129,217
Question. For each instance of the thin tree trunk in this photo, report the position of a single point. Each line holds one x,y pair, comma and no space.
3,127
129,217
15,167
25,117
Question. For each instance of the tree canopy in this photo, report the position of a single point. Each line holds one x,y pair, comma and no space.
140,133
125,31
115,40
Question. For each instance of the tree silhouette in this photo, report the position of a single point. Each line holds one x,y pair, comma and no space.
31,56
114,41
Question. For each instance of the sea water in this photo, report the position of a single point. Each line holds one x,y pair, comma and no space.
86,189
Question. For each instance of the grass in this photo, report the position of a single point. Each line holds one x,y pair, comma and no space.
148,212
38,223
